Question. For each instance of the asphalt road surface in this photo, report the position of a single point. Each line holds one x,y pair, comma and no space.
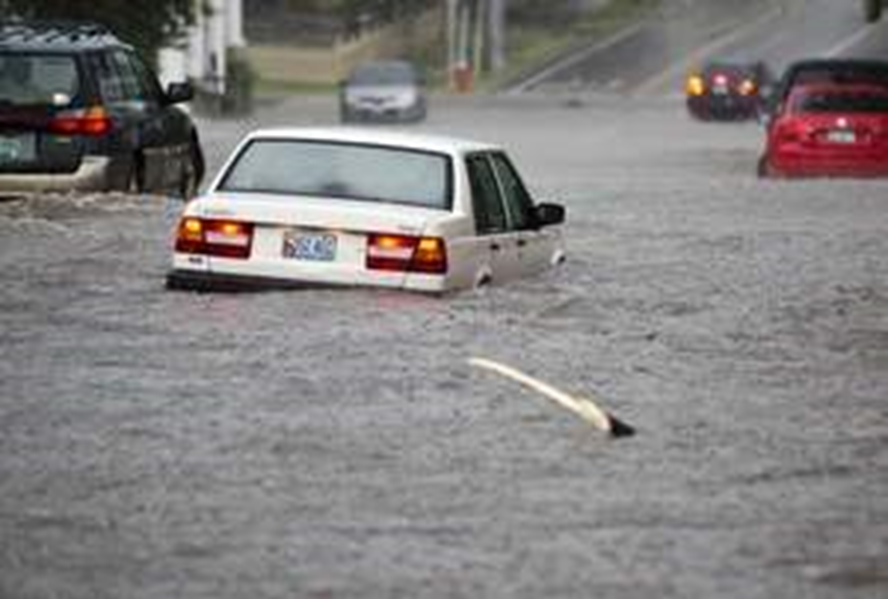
336,444
655,56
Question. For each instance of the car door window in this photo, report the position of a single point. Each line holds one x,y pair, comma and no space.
519,204
490,215
128,81
149,87
110,85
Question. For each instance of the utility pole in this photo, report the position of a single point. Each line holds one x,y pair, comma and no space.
480,20
475,39
496,28
216,46
452,41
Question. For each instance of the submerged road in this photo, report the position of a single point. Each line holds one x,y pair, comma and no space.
337,444
654,57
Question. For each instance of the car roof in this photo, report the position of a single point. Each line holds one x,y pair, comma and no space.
396,63
840,62
379,137
839,70
728,65
839,66
68,36
823,87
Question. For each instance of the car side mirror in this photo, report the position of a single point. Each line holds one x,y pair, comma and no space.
549,214
772,111
176,93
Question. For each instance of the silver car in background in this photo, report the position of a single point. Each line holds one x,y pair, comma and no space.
383,91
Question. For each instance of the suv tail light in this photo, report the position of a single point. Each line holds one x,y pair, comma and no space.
695,86
225,238
747,87
92,121
406,253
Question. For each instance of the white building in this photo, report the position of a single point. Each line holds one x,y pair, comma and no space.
201,55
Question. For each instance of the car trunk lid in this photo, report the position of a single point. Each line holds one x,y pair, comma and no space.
315,239
847,132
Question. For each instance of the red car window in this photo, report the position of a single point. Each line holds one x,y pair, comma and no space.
853,99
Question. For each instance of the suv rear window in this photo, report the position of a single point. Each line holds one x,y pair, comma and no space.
33,79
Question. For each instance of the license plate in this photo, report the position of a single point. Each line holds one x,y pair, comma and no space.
316,247
17,148
842,136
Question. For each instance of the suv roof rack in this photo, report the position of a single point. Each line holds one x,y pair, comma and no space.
26,31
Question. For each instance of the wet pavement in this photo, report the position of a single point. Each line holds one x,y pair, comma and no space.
329,444
654,57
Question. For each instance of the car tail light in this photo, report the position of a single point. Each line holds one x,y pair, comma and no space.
406,253
695,86
225,238
747,87
790,131
720,79
92,121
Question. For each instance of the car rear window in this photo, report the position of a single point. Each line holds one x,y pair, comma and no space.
383,74
35,79
342,170
732,72
861,101
834,74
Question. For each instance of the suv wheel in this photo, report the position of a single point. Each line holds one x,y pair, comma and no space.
135,180
188,183
193,172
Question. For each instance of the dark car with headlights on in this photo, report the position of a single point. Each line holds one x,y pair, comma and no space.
386,90
80,111
728,91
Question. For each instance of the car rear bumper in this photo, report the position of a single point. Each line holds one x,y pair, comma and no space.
382,115
186,280
723,108
797,165
91,176
181,279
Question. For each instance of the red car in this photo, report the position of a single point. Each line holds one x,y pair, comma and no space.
829,129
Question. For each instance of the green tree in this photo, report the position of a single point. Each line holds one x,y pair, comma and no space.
145,25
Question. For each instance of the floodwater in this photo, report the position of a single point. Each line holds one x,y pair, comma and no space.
332,443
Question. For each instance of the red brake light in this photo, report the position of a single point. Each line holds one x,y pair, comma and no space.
406,253
93,121
788,131
747,87
228,239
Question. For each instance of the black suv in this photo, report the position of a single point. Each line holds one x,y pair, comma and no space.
728,91
79,110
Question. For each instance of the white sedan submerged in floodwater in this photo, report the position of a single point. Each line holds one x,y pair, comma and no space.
339,206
